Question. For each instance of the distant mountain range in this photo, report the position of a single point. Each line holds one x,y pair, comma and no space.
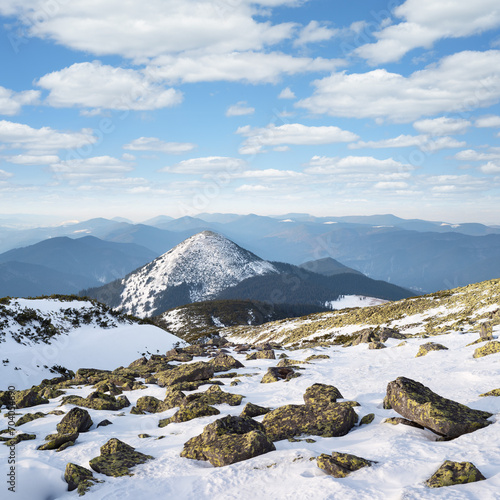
208,266
418,254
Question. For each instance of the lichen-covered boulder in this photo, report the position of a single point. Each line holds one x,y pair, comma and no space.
376,345
492,347
262,354
190,372
494,392
321,395
177,354
79,478
451,473
251,410
98,401
367,419
365,337
29,417
403,421
20,437
224,362
55,441
336,419
445,417
107,386
429,347
76,420
28,398
90,375
151,404
117,458
276,374
214,395
173,398
316,357
228,440
290,362
190,411
341,464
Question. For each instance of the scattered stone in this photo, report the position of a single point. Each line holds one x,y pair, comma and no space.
191,372
58,440
367,419
215,396
235,382
251,410
56,412
229,440
341,464
494,392
104,423
76,420
428,347
136,411
290,362
20,437
492,347
79,478
276,374
190,411
315,357
321,395
151,404
376,345
445,417
173,398
29,417
117,458
223,363
144,436
98,401
177,354
65,445
451,473
486,331
27,398
263,354
404,421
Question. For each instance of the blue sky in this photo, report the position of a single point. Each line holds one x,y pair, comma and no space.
135,109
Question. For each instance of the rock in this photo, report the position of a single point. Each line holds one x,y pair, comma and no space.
57,440
390,333
136,411
117,458
178,355
428,347
104,423
365,337
376,345
98,401
217,341
492,347
486,331
106,386
367,419
228,440
185,373
445,417
290,362
215,396
251,410
90,376
76,420
29,417
264,354
223,363
187,412
341,464
494,392
79,478
20,437
315,357
451,473
276,374
173,398
151,404
65,445
337,419
28,398
321,395
195,350
404,421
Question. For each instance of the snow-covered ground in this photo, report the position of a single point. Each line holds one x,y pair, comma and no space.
347,301
406,456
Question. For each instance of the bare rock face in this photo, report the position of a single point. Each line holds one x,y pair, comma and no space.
445,417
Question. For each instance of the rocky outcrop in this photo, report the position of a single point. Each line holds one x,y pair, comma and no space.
151,404
79,478
29,417
341,464
429,347
276,374
451,473
263,354
223,363
494,392
492,347
190,372
190,411
215,396
445,417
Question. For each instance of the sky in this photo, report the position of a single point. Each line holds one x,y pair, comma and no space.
135,109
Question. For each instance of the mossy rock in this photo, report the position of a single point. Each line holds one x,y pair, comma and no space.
27,398
191,372
228,440
90,376
487,349
341,464
494,392
451,473
403,421
20,437
29,417
367,419
79,478
290,362
376,345
151,404
76,420
429,347
98,401
137,411
263,354
117,458
107,386
190,411
276,374
180,355
316,357
251,410
174,398
195,350
58,440
51,393
223,363
414,401
215,396
288,421
321,395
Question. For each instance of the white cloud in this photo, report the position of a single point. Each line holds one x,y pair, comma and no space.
472,155
240,109
252,188
286,93
391,185
155,144
5,175
94,85
456,184
11,102
32,159
425,22
492,167
45,139
352,165
442,126
314,32
291,133
462,81
270,173
423,142
488,121
86,168
250,67
206,165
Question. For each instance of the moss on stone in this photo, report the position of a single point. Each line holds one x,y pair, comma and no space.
190,411
58,440
494,392
451,473
79,478
251,410
341,464
492,347
76,420
191,372
29,417
429,347
367,419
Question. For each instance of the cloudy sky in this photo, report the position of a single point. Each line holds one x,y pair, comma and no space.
135,109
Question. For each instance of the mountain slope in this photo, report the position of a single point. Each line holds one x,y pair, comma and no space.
327,267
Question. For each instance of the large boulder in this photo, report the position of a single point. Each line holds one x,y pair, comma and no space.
429,347
177,354
173,398
190,372
223,363
445,417
215,396
321,395
251,410
190,411
57,441
78,478
276,374
117,458
76,420
27,398
341,464
451,473
151,404
228,440
98,401
492,347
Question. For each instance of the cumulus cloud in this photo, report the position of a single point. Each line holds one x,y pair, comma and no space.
155,144
5,175
45,139
473,155
11,102
314,32
462,81
240,109
252,188
488,121
442,126
425,22
32,159
77,170
206,165
492,167
290,134
286,93
94,85
352,165
423,142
